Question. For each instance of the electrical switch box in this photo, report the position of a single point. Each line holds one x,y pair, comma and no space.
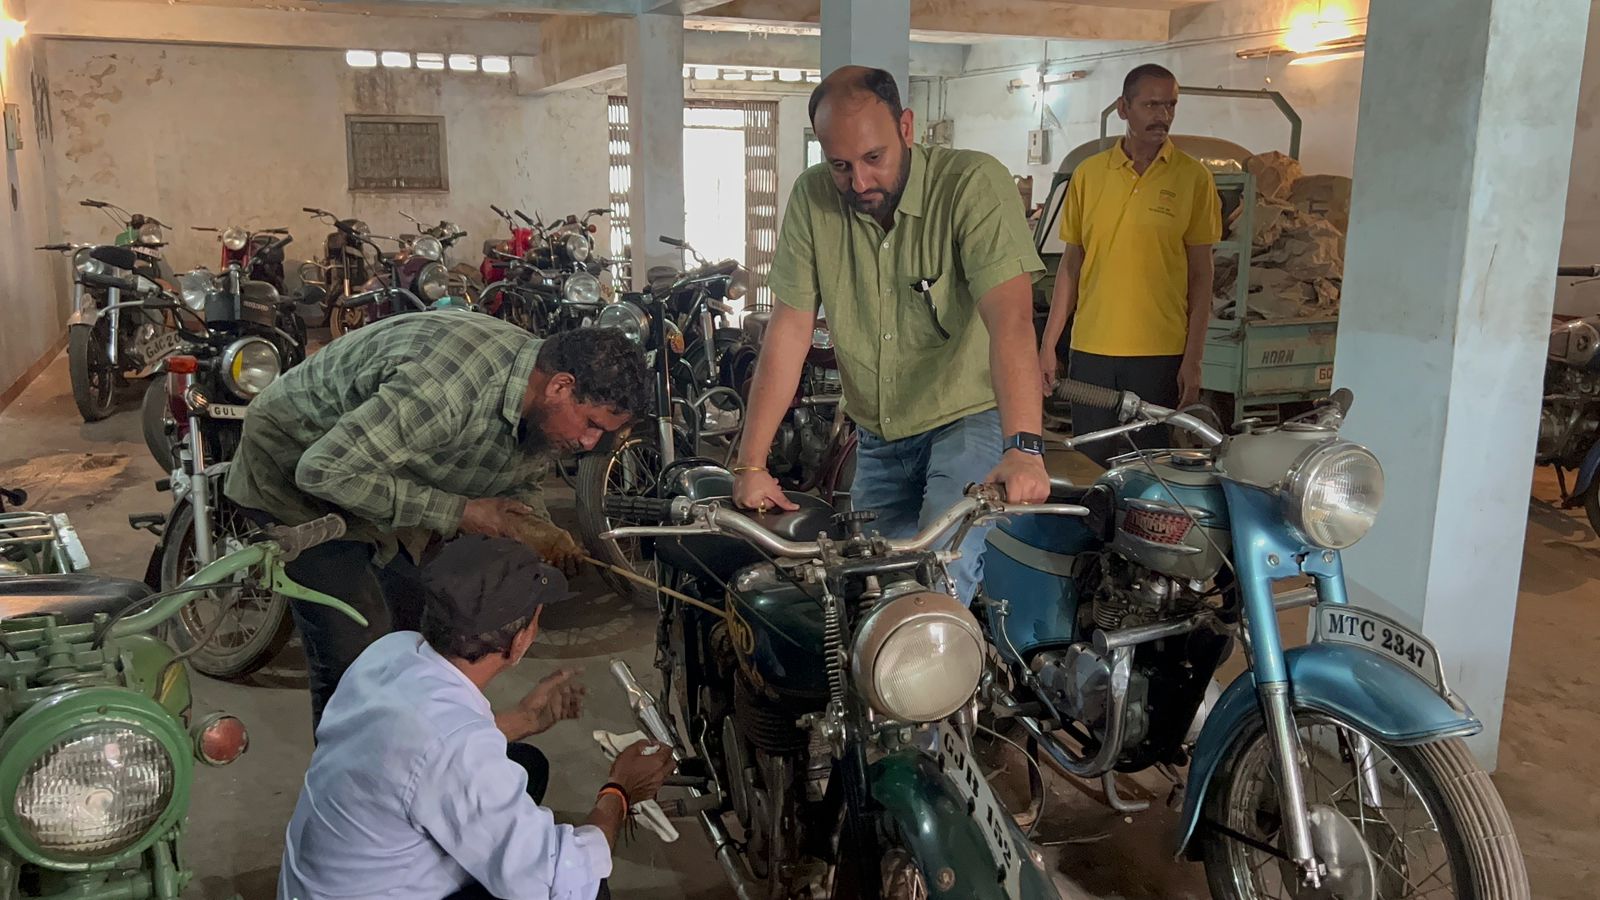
13,116
1038,147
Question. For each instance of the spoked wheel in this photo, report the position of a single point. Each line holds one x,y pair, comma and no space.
247,626
342,320
1388,822
94,379
629,470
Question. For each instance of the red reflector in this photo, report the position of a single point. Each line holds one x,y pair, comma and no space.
183,365
222,740
1160,527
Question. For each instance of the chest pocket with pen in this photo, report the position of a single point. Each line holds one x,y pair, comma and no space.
926,316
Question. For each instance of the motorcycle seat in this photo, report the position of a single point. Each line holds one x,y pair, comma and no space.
73,598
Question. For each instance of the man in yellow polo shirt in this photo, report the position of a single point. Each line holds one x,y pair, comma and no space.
922,258
1139,222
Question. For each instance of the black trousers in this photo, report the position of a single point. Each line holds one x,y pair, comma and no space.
389,596
538,767
1153,378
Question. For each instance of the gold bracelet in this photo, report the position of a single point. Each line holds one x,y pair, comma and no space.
739,469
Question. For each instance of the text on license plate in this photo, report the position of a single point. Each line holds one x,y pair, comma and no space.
160,345
225,411
1349,625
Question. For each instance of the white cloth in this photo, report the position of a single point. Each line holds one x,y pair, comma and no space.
649,812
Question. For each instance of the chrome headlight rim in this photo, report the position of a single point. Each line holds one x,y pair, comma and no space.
433,282
235,354
900,618
581,288
627,317
428,247
579,245
234,238
149,233
85,264
193,288
1302,476
61,718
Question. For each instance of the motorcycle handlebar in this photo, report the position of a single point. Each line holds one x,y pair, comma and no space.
524,217
1132,411
94,204
294,540
1578,271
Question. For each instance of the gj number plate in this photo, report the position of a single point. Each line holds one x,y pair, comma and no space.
224,411
1382,635
160,345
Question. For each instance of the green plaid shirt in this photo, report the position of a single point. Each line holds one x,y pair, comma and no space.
395,426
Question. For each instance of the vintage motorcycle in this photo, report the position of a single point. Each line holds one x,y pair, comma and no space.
818,690
631,464
1569,420
1333,769
98,738
258,253
413,279
498,252
111,335
344,266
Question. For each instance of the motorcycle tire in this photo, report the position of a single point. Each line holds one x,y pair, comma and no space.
1474,828
94,384
229,662
1591,504
343,321
153,421
595,470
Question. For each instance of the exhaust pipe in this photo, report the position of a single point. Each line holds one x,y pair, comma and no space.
649,719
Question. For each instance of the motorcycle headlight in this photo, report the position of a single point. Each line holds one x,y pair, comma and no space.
918,657
149,233
249,365
581,287
193,287
235,238
428,247
86,264
627,317
360,227
579,246
434,281
1333,494
739,284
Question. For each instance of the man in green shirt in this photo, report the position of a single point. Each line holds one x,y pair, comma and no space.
922,259
420,426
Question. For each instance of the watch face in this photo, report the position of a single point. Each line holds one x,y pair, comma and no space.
1027,443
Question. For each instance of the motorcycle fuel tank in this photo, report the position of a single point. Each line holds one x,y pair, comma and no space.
1577,343
1027,577
1160,499
776,626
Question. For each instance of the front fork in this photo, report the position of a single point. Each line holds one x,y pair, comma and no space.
200,495
113,295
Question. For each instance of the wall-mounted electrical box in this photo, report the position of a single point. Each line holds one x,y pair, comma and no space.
941,133
13,117
1038,147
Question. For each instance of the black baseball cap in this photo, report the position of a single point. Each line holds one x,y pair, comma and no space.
478,584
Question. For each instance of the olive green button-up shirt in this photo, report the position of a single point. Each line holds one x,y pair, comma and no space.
395,427
910,360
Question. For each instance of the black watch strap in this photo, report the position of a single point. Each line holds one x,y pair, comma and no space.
1027,442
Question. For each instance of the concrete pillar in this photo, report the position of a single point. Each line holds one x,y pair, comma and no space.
655,133
1466,129
873,33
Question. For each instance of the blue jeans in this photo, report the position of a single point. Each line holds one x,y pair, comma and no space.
911,481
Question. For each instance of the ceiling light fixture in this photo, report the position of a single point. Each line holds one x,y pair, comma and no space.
1327,51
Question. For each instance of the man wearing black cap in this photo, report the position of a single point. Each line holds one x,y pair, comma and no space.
413,789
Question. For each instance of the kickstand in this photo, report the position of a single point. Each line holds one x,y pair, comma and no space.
1108,782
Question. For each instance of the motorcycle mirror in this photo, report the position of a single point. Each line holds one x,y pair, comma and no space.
116,257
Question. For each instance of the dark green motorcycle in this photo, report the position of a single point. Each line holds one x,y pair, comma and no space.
97,744
819,694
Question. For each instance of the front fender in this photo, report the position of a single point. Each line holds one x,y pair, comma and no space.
1586,471
1349,683
86,316
956,832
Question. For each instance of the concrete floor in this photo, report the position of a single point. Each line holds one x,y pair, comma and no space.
99,473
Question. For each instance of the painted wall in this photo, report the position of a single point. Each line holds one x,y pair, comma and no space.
32,283
201,135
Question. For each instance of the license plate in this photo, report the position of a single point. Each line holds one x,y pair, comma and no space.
1382,635
225,411
159,346
1324,374
1009,849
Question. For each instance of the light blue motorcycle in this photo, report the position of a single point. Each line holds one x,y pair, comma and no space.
1331,770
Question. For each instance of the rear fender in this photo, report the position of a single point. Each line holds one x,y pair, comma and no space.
1349,683
946,816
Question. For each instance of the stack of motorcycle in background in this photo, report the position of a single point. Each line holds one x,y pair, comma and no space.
1569,421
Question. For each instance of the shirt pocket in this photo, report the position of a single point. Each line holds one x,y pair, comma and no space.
927,318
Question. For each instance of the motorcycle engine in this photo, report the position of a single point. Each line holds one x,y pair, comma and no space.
802,438
1567,424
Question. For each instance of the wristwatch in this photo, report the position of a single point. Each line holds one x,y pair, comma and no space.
1026,442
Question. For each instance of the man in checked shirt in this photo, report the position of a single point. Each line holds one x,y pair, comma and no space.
418,427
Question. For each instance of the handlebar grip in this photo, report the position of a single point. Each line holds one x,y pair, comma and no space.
108,281
297,539
523,216
284,241
93,204
311,209
1578,271
1088,394
498,211
640,510
672,241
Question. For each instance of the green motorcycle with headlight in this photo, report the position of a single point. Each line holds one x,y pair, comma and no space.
98,742
819,689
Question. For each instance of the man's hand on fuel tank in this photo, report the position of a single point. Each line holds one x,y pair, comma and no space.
494,516
756,489
553,542
1024,477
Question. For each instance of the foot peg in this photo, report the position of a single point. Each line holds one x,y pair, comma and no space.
151,522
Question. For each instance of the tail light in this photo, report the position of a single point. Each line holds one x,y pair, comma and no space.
220,739
183,365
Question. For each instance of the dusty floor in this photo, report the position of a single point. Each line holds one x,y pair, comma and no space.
99,473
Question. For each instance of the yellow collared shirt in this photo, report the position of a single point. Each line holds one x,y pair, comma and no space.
1133,293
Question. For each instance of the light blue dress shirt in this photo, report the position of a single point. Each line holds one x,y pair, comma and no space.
410,794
